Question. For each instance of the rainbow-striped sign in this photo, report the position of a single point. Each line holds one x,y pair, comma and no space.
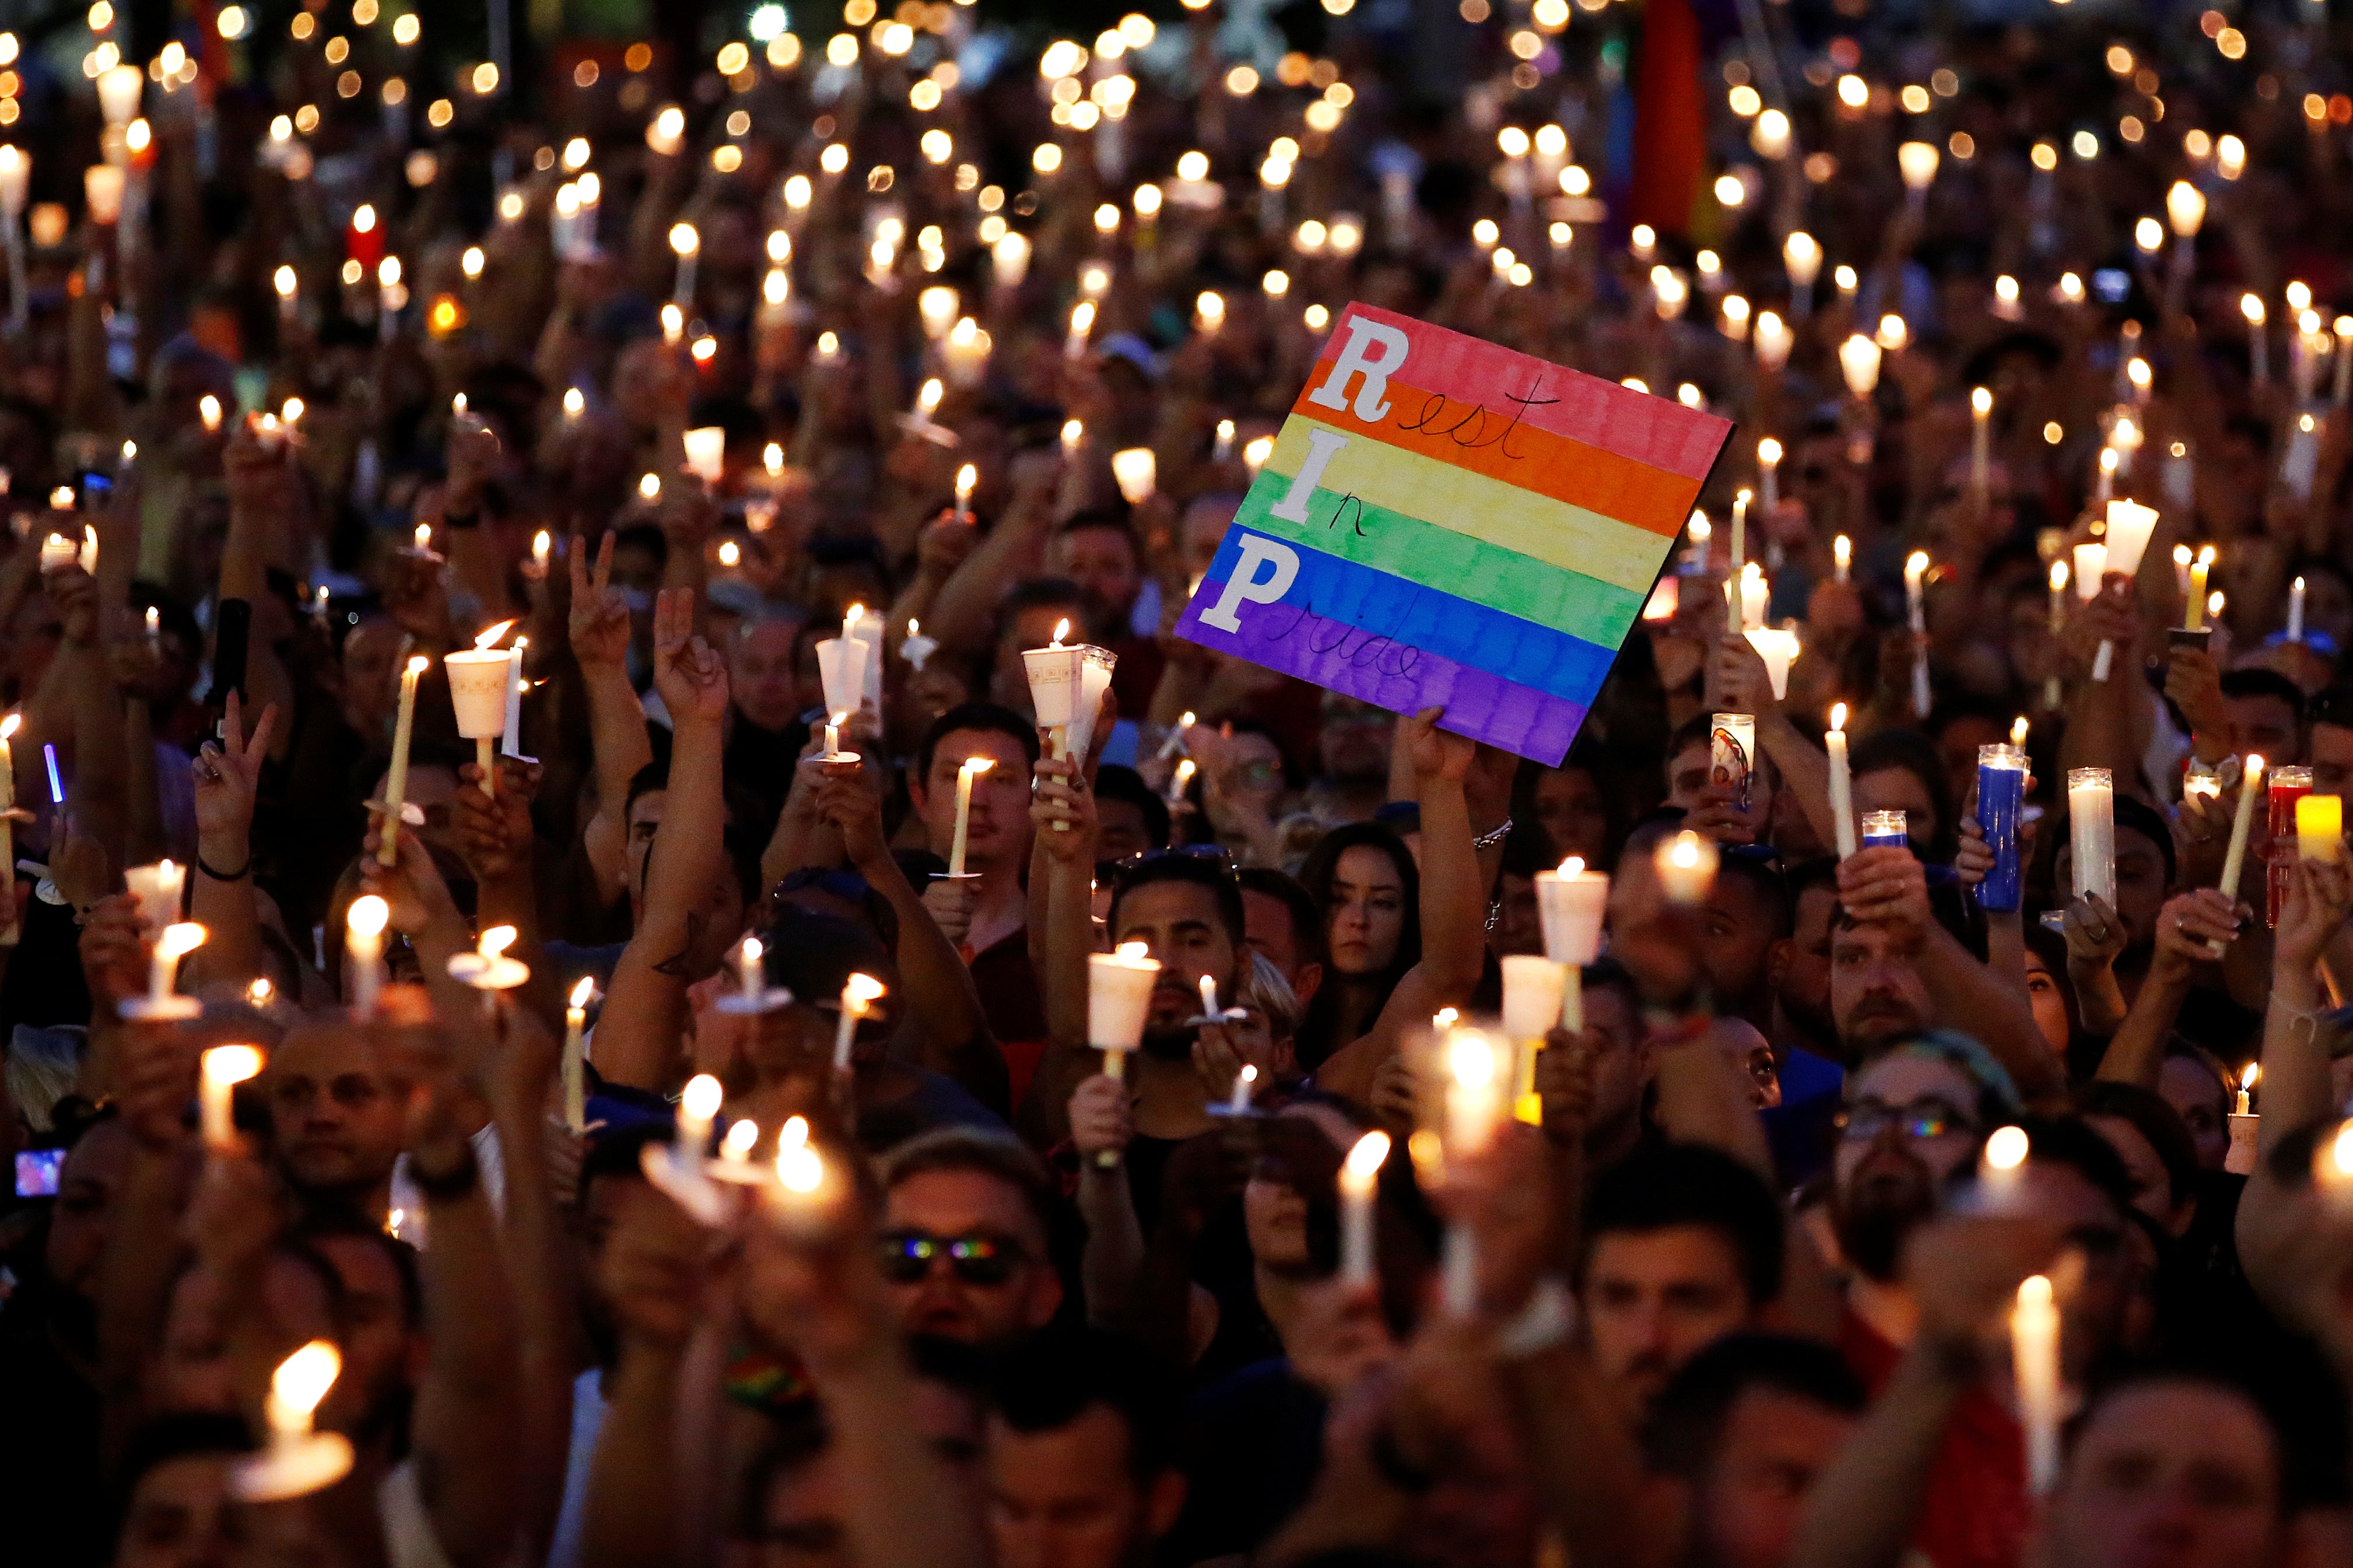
1447,524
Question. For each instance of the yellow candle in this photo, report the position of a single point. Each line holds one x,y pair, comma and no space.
576,1075
2320,828
972,768
2250,787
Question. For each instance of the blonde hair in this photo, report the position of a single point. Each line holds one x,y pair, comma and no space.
1264,990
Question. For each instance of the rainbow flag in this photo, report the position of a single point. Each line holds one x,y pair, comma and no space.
1447,524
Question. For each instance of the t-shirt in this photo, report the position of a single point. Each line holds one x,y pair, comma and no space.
1976,1511
1253,1443
1007,985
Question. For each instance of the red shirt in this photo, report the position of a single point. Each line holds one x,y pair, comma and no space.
1009,1000
1977,1512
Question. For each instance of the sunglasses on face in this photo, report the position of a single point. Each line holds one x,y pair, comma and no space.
1925,1118
906,1256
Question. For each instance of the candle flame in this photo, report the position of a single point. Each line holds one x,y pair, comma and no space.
1469,1060
702,1096
2007,1149
1133,951
1916,565
231,1064
496,941
751,950
424,536
1573,866
966,476
863,989
2341,1152
489,635
2034,1291
2247,1078
179,938
303,1378
367,915
1768,451
1366,1159
1061,630
2058,576
852,616
582,992
1981,400
1686,851
798,1169
2018,731
258,994
9,725
2254,767
419,664
1250,1073
976,766
1443,1018
740,1136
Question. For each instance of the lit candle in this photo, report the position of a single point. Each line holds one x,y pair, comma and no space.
1136,471
478,691
1778,647
58,554
799,1170
2296,609
1119,996
363,926
966,476
688,244
2320,828
224,1067
1842,782
1739,533
2194,613
1238,1102
2259,356
2053,694
1915,573
1686,866
971,769
1571,903
297,1461
2091,832
735,1150
1360,1176
2246,1127
1470,1123
2250,784
158,888
857,995
395,780
576,1056
749,975
2034,1362
2129,526
1754,599
175,942
1885,829
706,453
1209,997
9,727
2001,796
915,647
2002,1169
1842,558
698,1107
2285,788
1980,441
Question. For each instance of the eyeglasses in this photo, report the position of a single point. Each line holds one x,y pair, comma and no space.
1927,1116
906,1256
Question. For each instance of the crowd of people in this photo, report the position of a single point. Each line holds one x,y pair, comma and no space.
679,1134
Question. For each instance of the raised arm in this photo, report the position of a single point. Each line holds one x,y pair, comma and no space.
1064,863
2296,1079
227,774
1453,908
951,1031
599,633
645,1008
467,1431
2187,923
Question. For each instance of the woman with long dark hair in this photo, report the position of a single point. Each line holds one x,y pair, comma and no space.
1364,882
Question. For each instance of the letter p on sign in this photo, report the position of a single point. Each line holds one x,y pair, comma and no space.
1374,351
1244,584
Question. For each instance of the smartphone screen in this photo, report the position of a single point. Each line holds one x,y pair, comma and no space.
37,1171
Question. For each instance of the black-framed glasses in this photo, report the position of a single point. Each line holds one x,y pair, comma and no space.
977,1257
1930,1116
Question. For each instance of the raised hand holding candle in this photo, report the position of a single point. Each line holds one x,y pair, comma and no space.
2250,785
395,779
224,1067
1841,782
970,769
576,1056
1360,1177
2034,1363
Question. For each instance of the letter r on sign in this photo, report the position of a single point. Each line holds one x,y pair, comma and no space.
1244,584
1374,350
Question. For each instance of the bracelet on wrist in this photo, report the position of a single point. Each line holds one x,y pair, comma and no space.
219,876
